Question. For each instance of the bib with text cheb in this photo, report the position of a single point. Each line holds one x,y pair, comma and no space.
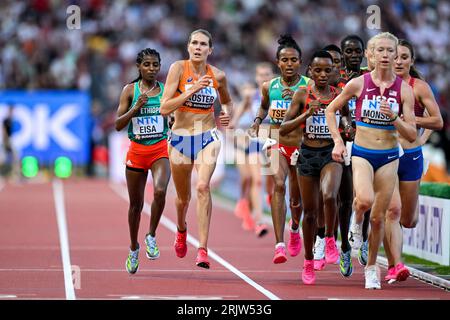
316,125
148,127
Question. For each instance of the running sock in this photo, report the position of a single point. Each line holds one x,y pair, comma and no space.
321,232
280,244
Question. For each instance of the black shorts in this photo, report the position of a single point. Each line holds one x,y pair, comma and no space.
312,160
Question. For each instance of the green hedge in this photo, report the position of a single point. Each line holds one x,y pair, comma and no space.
437,190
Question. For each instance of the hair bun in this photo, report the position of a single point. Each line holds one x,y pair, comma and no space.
285,39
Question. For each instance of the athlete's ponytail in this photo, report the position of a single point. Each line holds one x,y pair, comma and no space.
286,41
413,72
140,58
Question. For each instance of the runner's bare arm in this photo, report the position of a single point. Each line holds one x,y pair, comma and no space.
262,111
123,114
406,126
426,98
352,88
293,119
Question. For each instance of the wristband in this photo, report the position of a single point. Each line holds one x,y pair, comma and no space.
395,118
260,119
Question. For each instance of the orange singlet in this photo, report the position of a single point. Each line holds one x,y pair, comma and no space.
203,100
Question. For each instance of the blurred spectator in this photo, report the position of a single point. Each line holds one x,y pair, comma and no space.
10,162
38,51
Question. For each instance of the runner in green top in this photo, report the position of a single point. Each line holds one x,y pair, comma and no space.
139,108
276,99
148,126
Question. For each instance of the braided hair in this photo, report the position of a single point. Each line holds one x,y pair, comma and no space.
140,58
286,41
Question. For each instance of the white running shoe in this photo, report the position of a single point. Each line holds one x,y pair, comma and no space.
319,253
372,275
355,237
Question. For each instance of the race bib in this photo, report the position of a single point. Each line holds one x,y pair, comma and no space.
370,111
278,109
202,99
317,127
148,125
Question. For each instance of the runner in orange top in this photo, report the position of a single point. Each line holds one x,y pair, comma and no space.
192,87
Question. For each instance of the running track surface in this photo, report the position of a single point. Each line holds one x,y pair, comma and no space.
34,256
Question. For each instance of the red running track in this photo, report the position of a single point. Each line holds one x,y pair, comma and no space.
31,262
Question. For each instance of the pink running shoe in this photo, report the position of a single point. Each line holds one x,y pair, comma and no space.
331,251
280,255
401,273
295,242
391,275
180,244
242,207
308,275
202,258
319,264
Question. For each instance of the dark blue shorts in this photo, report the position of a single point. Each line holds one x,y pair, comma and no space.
377,158
410,167
190,146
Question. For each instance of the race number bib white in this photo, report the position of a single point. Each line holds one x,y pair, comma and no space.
317,125
278,109
371,109
148,125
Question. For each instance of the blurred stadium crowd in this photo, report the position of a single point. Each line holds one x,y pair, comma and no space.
38,51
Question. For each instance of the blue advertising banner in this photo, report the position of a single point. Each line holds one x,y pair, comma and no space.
49,124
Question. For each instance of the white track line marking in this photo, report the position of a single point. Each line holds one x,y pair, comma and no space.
193,241
58,193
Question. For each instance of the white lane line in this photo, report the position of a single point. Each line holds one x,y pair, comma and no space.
193,241
58,193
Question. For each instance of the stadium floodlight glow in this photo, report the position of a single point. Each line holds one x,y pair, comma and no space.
30,167
63,167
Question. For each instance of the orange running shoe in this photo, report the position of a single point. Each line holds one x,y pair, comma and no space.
180,244
247,222
242,208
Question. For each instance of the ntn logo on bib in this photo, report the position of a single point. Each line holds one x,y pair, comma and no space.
148,125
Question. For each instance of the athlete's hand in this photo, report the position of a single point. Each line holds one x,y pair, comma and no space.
141,101
287,94
254,130
339,152
385,109
313,107
201,83
224,119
